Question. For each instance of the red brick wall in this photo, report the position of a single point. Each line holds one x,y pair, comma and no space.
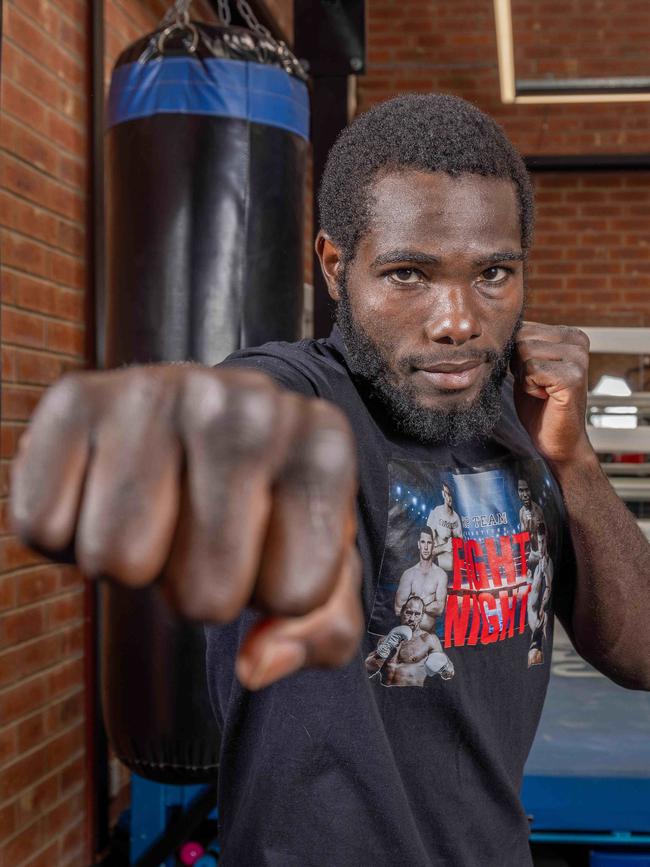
580,38
42,206
591,261
590,265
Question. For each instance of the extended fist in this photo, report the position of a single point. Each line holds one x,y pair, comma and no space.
234,492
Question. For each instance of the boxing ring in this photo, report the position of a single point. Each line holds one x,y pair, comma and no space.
587,779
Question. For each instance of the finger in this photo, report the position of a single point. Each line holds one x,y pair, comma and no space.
327,637
312,518
229,431
546,378
552,333
551,351
48,471
130,503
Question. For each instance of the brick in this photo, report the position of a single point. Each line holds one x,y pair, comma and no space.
23,698
72,844
47,856
8,746
20,625
72,775
39,45
19,847
63,713
14,555
64,678
7,592
19,402
9,436
20,104
7,820
38,368
36,799
45,85
33,293
31,732
19,139
35,186
65,337
36,584
18,663
65,609
37,223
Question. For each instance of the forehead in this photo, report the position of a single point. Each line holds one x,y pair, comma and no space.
469,214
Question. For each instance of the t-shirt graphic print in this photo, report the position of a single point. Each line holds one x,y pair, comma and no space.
468,562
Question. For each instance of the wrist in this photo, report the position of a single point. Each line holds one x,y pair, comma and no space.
583,464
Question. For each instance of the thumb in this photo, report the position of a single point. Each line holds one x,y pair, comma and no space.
326,637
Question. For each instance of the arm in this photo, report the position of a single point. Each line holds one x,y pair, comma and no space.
403,592
386,647
440,595
443,548
606,616
375,662
609,620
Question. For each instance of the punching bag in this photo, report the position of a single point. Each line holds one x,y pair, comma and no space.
206,157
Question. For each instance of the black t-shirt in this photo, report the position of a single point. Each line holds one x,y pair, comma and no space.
413,753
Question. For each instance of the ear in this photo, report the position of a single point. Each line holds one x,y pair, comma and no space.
331,262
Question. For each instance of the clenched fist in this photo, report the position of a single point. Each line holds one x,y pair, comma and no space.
550,366
229,490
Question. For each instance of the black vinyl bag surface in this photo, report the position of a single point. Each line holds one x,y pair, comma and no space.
206,158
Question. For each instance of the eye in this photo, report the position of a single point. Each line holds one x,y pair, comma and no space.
496,274
405,275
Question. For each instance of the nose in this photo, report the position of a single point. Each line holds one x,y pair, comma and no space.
453,318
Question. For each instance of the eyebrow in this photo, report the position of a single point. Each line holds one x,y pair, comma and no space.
417,257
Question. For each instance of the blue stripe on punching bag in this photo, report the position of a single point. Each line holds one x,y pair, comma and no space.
222,88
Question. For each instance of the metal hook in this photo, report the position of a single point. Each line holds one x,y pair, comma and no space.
182,23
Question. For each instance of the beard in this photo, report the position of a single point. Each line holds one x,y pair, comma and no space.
453,425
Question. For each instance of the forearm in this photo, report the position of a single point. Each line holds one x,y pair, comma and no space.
374,663
609,617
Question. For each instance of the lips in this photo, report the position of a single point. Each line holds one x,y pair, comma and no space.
452,377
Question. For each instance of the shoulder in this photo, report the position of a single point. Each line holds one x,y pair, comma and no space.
309,367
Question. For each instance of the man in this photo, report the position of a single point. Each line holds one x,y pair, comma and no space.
425,580
446,525
408,654
530,518
539,597
234,492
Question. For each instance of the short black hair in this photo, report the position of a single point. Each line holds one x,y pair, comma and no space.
425,529
431,132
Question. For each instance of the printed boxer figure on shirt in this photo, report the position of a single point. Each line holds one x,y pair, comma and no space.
445,523
409,654
530,517
539,598
425,580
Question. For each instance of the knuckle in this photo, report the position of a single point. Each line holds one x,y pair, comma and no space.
66,399
326,450
571,334
97,558
241,414
205,600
